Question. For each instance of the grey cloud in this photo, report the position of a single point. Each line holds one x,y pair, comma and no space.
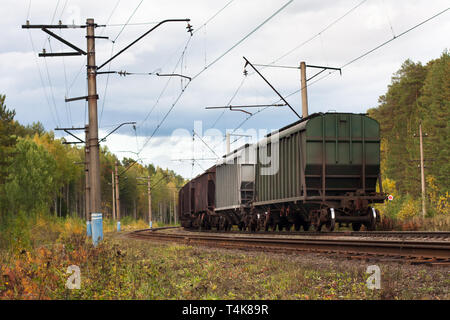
131,98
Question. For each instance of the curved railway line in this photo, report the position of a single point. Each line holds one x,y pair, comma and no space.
432,248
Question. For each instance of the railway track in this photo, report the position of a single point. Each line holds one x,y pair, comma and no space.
421,251
369,234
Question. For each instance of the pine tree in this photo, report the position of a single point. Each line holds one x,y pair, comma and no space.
398,117
434,107
7,138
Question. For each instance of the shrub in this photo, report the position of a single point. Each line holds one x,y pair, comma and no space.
410,208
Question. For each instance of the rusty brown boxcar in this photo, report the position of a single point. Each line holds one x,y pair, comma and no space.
197,198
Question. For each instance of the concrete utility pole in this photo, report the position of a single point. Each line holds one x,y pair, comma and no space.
422,172
149,194
117,197
87,179
422,168
113,196
149,191
304,89
94,164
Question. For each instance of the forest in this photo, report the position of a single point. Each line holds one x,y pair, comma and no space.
418,94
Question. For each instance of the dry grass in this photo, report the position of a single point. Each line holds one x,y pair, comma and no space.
436,223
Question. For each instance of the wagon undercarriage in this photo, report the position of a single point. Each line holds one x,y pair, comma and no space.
328,214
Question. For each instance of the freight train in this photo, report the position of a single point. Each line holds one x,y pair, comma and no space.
317,172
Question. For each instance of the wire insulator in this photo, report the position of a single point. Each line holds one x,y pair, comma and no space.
189,29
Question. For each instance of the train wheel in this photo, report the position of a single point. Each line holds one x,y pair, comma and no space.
356,226
297,226
371,225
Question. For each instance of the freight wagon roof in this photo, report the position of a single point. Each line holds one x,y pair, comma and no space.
209,170
280,131
296,123
310,117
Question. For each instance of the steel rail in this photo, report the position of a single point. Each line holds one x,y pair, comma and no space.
390,234
437,250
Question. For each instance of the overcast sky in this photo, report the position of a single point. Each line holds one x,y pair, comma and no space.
36,87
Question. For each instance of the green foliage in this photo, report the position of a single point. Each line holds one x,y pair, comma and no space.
30,130
397,114
434,107
417,94
16,230
31,178
411,207
7,138
439,202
